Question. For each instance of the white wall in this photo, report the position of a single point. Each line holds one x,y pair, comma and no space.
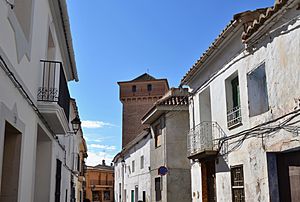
141,177
280,53
27,69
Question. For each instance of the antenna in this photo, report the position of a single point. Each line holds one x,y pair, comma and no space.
148,70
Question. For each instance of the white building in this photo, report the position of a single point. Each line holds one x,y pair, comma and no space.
37,149
132,170
244,109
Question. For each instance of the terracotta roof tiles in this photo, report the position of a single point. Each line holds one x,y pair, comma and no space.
257,23
173,101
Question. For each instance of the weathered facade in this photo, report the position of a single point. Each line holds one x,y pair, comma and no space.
169,167
132,174
244,109
100,183
38,150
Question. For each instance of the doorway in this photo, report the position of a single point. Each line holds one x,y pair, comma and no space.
288,172
10,164
42,166
136,189
208,174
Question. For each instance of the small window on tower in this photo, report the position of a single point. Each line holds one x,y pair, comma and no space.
149,87
134,88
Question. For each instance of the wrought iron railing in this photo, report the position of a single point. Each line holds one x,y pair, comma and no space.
101,182
54,87
205,137
234,117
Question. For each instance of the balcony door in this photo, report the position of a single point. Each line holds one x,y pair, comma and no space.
205,118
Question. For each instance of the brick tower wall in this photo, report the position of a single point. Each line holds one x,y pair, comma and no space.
136,104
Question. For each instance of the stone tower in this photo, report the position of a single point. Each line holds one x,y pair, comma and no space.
137,96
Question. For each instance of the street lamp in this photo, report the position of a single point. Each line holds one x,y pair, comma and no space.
76,124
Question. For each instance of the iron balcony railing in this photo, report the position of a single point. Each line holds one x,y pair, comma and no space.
205,136
101,182
234,117
54,87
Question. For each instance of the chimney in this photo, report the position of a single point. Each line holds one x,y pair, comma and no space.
103,162
111,164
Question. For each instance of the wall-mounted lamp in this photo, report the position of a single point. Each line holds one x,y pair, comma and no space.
76,124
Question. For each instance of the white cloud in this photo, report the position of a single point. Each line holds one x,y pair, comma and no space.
100,146
95,158
95,124
98,140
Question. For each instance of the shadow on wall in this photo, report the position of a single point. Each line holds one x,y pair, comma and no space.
222,165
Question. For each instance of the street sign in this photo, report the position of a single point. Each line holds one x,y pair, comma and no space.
162,170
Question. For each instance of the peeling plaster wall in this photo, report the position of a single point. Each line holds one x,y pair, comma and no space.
280,52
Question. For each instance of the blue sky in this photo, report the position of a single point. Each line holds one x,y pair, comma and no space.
118,40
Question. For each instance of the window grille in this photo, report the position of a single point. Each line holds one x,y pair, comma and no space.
237,184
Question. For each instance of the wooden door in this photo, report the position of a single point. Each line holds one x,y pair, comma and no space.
208,174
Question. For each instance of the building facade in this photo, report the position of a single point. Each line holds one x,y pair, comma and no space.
244,109
100,183
132,164
81,181
37,150
169,123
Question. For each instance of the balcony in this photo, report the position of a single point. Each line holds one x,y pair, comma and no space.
204,140
53,96
234,117
101,183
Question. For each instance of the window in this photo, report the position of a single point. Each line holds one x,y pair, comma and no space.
158,189
233,101
51,46
58,180
149,87
142,162
106,195
157,135
134,88
237,184
133,169
257,91
96,195
78,162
